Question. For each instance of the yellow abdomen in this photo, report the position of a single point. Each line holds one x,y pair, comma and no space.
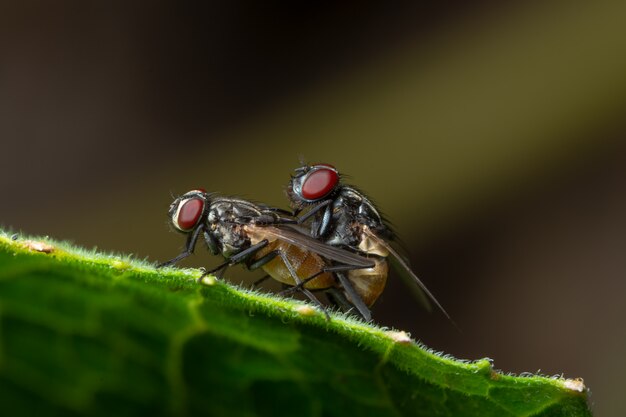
369,283
305,264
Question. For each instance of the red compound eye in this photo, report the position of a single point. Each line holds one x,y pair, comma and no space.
319,183
189,214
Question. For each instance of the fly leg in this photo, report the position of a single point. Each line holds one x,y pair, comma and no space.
260,280
357,301
312,211
236,258
273,254
338,299
189,247
318,228
333,268
259,263
262,260
298,281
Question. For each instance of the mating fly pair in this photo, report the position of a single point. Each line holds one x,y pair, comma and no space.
343,249
259,236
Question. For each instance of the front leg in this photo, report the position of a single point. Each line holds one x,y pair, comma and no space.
312,211
321,223
189,247
211,243
322,229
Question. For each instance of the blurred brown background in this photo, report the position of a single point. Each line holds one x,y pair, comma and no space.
492,134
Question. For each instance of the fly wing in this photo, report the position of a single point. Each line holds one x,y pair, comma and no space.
407,274
308,243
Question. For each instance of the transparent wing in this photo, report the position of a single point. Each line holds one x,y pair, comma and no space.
407,274
306,242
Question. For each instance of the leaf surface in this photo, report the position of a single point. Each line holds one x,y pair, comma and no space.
83,333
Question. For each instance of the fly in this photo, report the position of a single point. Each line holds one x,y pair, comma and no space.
343,217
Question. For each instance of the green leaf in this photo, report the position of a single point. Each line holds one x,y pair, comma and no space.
82,333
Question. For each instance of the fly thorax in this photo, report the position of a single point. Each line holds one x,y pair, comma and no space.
232,238
342,230
220,211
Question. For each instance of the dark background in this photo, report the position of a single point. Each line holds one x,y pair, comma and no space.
490,133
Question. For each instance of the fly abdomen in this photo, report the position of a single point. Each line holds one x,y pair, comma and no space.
369,283
305,263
